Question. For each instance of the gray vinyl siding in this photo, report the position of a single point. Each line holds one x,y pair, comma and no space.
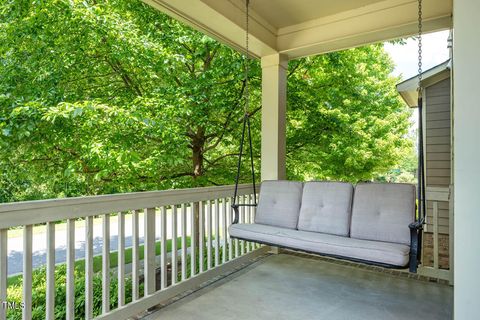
437,119
438,145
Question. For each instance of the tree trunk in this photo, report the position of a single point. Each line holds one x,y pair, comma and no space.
198,144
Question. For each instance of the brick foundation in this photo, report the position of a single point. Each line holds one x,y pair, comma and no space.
443,254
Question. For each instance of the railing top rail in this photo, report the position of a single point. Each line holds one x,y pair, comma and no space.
437,193
40,211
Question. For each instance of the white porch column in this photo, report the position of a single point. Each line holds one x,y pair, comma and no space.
466,70
274,100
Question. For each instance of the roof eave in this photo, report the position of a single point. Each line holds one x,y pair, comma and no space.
408,89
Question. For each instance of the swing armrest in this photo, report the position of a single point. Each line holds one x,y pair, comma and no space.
236,211
415,243
417,225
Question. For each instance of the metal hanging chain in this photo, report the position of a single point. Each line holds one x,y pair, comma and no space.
421,174
420,31
247,91
246,133
247,98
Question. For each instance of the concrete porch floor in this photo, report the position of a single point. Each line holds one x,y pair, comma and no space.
290,287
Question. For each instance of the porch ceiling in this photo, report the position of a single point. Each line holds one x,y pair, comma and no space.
299,28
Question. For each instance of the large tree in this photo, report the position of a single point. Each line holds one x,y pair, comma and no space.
114,96
346,120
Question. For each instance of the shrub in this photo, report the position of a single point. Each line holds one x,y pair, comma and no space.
39,289
39,294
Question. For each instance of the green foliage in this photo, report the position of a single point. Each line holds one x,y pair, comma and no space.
406,171
39,284
113,96
346,120
39,294
106,97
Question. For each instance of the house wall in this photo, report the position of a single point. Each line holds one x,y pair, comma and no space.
438,139
438,147
437,168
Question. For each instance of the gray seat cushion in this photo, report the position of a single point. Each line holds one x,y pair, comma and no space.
375,251
279,203
326,207
383,211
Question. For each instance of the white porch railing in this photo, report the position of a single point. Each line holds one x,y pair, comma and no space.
434,197
186,215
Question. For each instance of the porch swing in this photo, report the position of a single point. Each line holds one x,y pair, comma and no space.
371,223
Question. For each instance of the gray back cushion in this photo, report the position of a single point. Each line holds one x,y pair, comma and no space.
383,211
326,207
279,203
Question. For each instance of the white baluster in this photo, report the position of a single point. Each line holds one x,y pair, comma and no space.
217,233
27,272
174,245
201,238
89,267
121,259
183,223
106,263
193,241
224,225
149,256
70,269
3,270
209,234
50,292
163,253
242,220
135,256
435,235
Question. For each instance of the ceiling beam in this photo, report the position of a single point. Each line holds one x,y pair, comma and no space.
224,21
381,21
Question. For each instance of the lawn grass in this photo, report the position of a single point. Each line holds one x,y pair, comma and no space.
97,260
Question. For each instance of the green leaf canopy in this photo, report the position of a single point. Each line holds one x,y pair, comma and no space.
113,96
